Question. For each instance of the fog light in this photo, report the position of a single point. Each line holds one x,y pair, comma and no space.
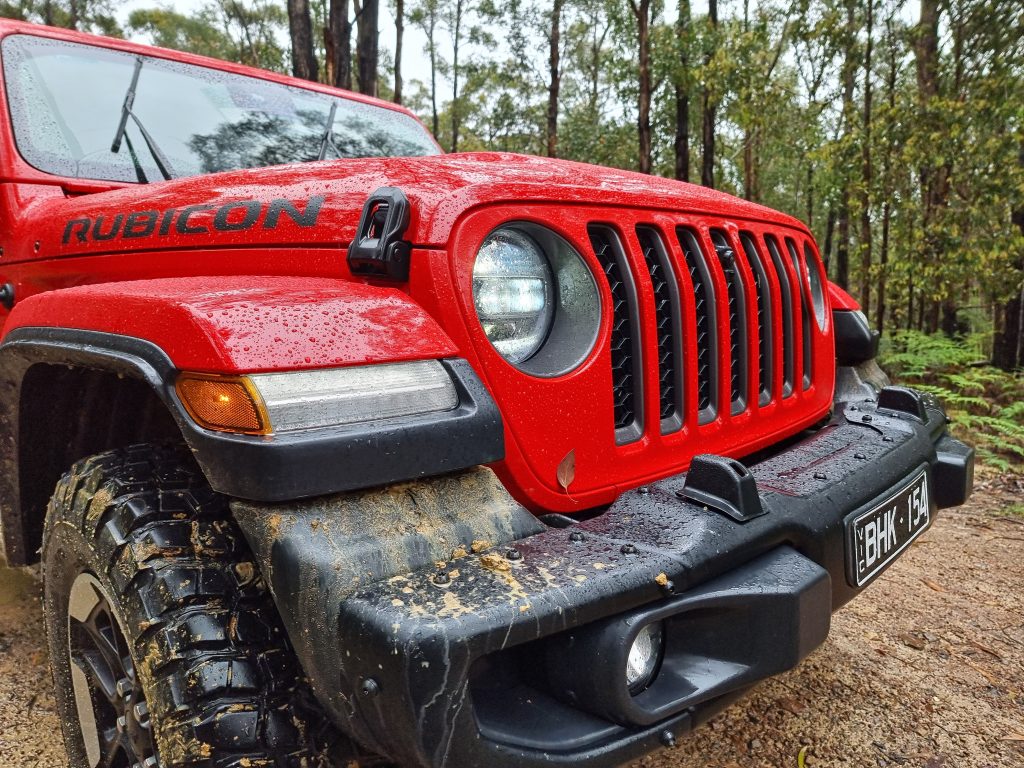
644,658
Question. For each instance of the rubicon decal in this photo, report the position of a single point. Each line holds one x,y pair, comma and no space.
234,216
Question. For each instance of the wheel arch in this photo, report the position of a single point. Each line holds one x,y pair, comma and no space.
65,395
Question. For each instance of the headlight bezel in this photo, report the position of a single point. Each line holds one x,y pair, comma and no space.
577,314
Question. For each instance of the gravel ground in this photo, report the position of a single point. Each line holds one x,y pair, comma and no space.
925,669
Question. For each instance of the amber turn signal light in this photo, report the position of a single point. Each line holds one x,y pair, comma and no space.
223,403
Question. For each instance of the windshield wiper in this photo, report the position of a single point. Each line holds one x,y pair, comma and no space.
162,163
327,140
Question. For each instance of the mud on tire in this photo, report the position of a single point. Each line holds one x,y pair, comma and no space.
220,680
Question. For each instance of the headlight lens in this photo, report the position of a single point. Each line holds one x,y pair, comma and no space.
536,299
513,293
644,658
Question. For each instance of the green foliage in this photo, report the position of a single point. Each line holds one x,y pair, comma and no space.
985,404
96,16
246,31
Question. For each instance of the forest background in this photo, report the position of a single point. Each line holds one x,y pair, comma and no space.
894,129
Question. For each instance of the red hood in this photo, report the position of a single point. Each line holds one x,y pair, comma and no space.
440,189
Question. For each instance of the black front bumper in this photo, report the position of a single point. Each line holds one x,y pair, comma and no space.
463,672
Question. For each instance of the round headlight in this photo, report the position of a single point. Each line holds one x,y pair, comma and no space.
536,299
513,292
644,658
813,268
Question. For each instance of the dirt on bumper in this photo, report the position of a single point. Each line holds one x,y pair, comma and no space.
410,664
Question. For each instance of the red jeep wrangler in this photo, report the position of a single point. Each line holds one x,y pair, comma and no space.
339,450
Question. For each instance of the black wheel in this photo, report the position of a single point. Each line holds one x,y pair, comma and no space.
165,646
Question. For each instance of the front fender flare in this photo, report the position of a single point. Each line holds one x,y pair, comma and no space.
56,328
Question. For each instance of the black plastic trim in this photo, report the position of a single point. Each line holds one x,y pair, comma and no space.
378,248
435,648
856,342
290,465
723,484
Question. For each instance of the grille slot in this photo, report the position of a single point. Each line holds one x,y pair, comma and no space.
707,339
805,312
736,296
763,294
625,336
669,321
787,315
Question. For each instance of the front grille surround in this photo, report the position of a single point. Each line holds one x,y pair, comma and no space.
742,298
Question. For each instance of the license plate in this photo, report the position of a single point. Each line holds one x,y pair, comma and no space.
875,538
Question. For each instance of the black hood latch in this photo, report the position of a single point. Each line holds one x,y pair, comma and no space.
378,250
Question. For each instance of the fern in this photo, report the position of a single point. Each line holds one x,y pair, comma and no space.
985,404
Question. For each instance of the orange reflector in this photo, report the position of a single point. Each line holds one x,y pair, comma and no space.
223,403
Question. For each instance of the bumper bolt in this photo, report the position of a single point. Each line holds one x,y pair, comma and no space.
513,554
369,687
820,476
866,418
628,549
668,738
441,578
576,536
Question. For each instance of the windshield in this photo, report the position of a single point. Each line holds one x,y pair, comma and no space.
66,105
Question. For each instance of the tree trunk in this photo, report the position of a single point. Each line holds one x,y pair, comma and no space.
866,172
1008,345
399,35
641,11
456,43
849,75
883,256
554,76
432,49
300,27
338,42
830,228
934,180
682,86
366,47
810,195
707,169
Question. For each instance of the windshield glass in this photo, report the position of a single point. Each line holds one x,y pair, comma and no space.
66,104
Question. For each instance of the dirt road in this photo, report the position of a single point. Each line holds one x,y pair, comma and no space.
926,669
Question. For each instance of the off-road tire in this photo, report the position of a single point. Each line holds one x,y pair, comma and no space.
221,682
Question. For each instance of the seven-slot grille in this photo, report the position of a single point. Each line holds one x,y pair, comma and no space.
746,265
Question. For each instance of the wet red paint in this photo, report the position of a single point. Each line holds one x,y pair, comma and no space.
279,299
